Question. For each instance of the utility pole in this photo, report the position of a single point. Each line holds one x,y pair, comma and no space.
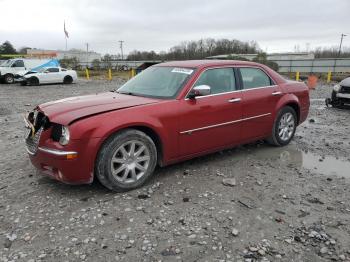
341,42
87,55
121,47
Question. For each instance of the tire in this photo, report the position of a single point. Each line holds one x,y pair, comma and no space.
67,80
284,127
9,79
23,83
131,167
33,81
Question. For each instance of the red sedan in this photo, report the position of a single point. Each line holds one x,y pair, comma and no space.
168,113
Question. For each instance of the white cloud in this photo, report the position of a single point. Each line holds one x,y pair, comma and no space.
277,25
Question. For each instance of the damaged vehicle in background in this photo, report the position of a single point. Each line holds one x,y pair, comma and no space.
169,113
51,75
19,66
340,94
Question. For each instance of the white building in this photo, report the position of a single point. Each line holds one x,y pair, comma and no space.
82,56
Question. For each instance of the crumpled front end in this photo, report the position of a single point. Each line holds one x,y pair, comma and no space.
69,163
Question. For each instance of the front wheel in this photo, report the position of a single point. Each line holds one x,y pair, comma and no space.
284,127
33,81
126,160
9,79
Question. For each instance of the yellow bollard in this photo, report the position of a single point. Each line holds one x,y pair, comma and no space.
87,73
132,73
329,76
297,76
109,74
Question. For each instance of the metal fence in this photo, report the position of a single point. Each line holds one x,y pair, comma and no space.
324,65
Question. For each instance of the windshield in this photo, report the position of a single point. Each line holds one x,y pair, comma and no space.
156,81
7,63
41,70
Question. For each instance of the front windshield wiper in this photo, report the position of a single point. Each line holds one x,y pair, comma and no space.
126,93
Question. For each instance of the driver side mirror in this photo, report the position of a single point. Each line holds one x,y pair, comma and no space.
202,90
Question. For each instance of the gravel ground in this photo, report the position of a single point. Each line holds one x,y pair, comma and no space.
251,203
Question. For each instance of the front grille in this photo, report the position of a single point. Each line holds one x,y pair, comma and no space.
33,142
40,123
345,89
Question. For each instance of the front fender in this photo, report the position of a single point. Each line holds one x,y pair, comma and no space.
102,126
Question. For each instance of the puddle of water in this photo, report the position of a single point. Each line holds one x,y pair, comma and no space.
291,155
317,99
328,166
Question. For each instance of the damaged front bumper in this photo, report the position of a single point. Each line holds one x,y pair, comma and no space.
70,164
338,99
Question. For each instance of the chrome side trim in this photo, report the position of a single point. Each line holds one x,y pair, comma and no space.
56,152
223,124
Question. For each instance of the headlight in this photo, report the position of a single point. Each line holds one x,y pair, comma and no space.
336,88
64,139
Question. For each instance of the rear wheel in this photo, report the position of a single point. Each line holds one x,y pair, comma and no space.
67,80
284,127
23,83
33,81
126,160
9,79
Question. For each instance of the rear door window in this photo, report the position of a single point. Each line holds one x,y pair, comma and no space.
254,78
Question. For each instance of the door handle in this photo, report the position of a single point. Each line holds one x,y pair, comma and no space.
276,93
234,100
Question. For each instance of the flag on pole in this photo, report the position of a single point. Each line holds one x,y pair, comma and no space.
65,30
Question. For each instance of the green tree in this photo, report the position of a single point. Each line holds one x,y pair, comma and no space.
7,48
70,62
96,64
107,61
262,59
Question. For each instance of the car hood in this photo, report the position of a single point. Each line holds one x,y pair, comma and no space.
67,110
345,82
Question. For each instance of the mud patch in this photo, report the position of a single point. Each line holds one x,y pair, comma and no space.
290,155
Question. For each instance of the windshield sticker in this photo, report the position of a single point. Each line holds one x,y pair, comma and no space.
182,71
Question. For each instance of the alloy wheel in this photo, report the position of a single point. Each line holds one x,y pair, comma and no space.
286,126
130,161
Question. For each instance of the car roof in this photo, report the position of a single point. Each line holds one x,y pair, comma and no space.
206,63
202,64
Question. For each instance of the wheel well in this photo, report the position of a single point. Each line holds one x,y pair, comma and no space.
68,76
9,74
296,108
152,134
156,139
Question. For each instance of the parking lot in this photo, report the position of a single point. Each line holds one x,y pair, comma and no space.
284,204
